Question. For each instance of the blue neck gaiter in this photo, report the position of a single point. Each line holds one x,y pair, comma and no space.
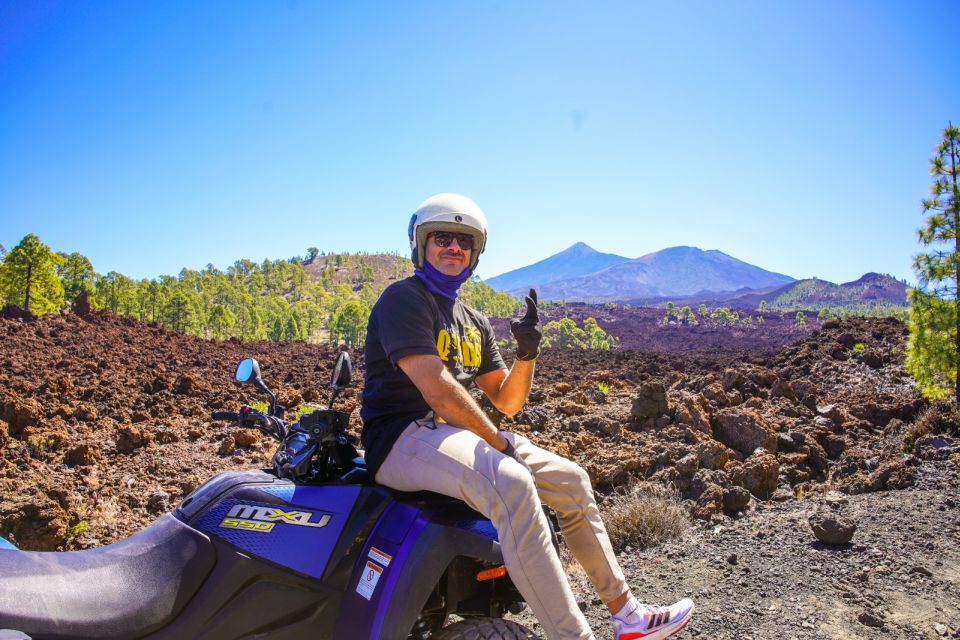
444,285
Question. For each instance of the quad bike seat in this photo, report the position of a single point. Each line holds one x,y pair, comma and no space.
123,590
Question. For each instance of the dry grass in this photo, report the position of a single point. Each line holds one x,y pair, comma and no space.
942,416
643,515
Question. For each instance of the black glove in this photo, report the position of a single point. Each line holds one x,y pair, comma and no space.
527,330
511,452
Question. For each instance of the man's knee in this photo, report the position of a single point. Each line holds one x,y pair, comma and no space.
574,475
512,481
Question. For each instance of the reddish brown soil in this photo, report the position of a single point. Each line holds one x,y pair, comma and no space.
105,420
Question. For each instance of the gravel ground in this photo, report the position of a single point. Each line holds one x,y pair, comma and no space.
764,576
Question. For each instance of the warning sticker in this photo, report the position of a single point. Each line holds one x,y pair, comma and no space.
380,556
369,579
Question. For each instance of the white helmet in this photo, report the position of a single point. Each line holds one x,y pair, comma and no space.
447,212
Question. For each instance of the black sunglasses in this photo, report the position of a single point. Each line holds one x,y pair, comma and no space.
444,238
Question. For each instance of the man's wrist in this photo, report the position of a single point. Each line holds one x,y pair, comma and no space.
527,356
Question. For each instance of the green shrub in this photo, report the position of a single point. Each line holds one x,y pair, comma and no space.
75,530
859,347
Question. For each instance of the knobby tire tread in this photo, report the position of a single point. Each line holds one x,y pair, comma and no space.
486,629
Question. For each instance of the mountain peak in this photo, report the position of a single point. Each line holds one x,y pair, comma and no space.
578,249
576,260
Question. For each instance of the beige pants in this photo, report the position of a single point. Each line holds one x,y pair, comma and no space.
455,462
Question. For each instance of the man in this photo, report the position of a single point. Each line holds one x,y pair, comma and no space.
423,431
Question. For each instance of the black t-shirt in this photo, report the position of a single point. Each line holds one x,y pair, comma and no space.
410,320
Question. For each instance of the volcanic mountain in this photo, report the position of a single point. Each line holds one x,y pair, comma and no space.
676,271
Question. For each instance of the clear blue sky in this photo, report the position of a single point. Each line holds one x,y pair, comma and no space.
796,136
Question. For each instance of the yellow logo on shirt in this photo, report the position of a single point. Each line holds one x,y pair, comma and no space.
466,349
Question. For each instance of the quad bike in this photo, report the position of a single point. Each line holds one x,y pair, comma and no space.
311,548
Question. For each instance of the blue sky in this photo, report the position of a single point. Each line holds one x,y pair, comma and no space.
152,136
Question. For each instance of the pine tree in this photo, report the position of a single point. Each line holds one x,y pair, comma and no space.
76,275
933,348
28,276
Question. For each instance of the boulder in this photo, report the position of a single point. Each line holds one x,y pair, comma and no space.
81,305
762,377
246,438
832,528
687,465
85,412
733,379
891,475
744,430
714,393
936,447
19,413
846,340
709,501
817,459
82,454
184,385
694,410
711,454
782,389
806,391
833,445
736,499
619,472
650,401
130,438
158,502
759,474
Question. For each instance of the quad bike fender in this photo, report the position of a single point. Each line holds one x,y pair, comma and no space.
403,560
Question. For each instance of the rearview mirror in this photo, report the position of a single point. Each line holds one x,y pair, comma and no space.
248,370
342,371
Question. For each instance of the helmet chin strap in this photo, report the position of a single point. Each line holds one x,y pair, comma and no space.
440,283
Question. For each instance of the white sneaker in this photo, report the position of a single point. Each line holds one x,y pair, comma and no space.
649,622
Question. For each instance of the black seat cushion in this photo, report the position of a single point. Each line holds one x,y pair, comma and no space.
122,590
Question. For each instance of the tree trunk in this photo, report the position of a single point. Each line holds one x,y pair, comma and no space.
26,301
956,240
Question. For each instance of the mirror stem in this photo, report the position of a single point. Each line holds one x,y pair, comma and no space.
259,384
333,397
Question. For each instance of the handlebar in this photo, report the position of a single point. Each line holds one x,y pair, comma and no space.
248,417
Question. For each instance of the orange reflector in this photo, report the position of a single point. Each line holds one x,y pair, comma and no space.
490,574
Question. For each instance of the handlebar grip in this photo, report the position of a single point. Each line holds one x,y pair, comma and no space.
226,415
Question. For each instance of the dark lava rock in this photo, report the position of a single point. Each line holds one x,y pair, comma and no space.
158,502
743,430
832,528
870,619
131,438
650,401
736,499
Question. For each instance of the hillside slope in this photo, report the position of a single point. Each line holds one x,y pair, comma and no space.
813,293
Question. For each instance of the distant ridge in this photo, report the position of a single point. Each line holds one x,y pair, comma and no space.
870,289
577,260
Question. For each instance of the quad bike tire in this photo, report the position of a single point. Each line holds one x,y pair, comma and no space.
485,629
